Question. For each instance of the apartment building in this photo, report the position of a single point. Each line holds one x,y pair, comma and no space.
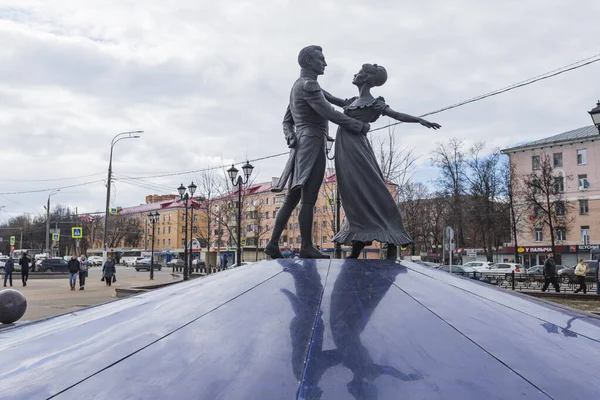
575,157
259,208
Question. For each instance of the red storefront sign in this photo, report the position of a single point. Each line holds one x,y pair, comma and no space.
537,249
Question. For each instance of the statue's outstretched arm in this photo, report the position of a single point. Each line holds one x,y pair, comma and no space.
409,118
336,100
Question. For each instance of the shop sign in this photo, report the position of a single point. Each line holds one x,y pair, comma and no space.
588,247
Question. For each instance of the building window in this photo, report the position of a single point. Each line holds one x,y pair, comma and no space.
561,234
158,242
291,226
323,224
583,182
195,218
539,237
278,199
267,201
183,229
169,229
559,184
298,240
169,217
324,209
583,207
169,242
557,160
536,211
164,242
537,186
585,234
315,227
291,241
182,242
163,230
324,239
581,157
195,230
560,208
535,162
266,214
297,211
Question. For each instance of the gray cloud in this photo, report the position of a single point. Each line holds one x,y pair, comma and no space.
208,81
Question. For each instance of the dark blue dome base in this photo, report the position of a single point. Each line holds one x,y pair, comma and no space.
309,329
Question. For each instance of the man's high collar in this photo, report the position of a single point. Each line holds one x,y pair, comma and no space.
306,73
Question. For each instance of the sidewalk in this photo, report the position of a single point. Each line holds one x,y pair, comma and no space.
50,297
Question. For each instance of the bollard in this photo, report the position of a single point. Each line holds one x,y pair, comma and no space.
512,273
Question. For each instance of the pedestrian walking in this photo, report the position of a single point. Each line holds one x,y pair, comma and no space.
580,271
84,265
9,267
550,276
109,271
73,267
24,263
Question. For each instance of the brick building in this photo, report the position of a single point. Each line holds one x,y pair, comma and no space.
575,157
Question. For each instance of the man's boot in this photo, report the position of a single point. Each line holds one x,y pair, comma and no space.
272,250
311,252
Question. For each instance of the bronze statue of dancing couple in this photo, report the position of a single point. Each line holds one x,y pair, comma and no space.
371,214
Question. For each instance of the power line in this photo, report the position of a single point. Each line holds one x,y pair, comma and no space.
52,180
547,75
50,189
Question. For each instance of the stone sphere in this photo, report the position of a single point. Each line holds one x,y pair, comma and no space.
12,306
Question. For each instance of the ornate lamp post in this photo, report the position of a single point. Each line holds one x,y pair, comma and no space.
337,250
192,189
153,219
595,114
239,182
186,197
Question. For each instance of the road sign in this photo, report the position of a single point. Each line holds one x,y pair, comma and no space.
56,237
12,240
243,242
449,233
76,232
114,210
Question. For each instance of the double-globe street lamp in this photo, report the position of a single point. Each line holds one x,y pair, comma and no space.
118,137
185,196
239,182
153,219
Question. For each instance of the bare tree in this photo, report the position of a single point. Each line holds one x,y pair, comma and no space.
124,229
450,159
397,165
412,204
513,191
207,192
543,193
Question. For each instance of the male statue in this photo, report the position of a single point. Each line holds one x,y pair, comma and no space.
306,127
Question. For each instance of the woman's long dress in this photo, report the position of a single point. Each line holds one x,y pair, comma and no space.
371,212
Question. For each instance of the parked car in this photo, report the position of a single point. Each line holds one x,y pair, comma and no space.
535,270
145,264
53,265
567,274
198,264
177,262
462,270
479,265
504,268
131,261
95,260
427,264
17,266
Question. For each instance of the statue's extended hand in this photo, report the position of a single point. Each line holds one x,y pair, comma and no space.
291,141
428,124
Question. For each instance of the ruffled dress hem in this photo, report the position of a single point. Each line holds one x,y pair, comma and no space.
348,238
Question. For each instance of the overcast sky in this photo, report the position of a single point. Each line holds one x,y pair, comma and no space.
209,81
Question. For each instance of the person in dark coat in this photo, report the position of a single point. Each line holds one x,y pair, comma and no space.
109,271
9,267
84,265
73,267
24,263
550,276
306,127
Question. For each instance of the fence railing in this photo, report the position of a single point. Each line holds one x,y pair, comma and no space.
514,281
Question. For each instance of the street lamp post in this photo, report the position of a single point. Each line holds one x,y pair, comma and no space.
595,114
192,189
337,250
153,219
118,137
185,197
239,182
48,221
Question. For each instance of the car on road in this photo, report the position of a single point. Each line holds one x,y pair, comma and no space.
479,265
95,260
176,262
53,265
504,269
3,260
131,261
535,270
567,274
145,264
462,270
